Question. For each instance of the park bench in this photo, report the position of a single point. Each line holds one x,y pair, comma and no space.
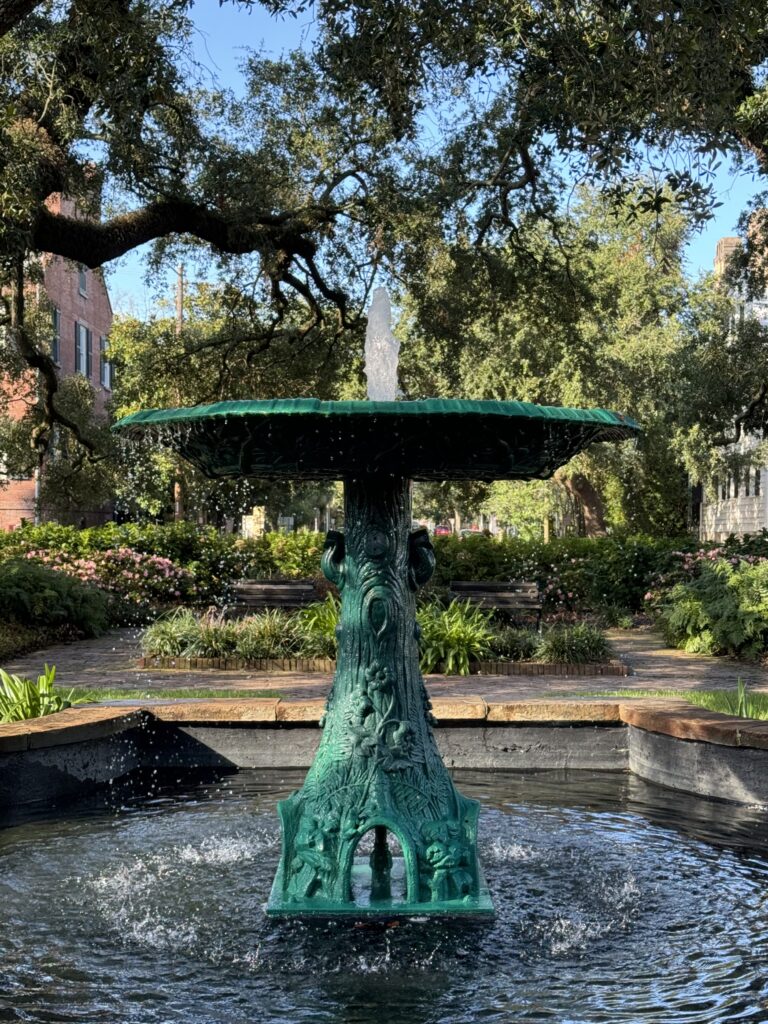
254,595
519,597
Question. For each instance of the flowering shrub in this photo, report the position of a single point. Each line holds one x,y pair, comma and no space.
133,577
215,560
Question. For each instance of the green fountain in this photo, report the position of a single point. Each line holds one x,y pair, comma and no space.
378,769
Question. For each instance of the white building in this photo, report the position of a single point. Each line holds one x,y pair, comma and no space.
741,505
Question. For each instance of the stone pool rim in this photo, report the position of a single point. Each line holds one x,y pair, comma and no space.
666,741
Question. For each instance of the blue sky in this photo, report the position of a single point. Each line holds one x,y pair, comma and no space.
222,37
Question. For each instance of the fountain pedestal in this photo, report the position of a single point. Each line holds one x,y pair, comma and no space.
378,768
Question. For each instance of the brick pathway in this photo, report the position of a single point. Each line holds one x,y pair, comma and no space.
110,661
659,667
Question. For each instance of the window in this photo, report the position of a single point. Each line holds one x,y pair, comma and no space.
56,339
106,370
757,483
83,350
724,489
746,484
82,279
736,482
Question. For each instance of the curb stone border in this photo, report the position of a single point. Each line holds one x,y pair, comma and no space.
675,718
326,665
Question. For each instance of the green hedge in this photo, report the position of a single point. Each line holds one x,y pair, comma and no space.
574,574
17,639
34,595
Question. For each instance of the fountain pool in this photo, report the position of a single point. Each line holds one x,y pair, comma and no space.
617,901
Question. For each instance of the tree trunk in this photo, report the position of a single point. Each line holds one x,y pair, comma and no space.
12,12
579,487
178,501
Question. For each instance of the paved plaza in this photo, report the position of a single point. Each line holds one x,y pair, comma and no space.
111,661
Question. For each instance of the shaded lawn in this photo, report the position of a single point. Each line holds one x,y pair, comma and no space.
97,693
740,702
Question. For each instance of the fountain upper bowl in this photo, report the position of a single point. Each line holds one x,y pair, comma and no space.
435,439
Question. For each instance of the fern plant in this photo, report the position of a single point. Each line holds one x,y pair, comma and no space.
317,625
171,635
453,637
215,637
573,645
511,643
272,633
724,610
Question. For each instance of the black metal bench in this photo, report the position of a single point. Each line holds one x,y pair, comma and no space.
254,595
513,596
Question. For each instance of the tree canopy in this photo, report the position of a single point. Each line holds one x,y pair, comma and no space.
405,132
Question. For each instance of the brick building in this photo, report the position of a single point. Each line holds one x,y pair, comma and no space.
81,320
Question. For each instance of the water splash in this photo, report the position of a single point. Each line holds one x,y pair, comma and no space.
599,900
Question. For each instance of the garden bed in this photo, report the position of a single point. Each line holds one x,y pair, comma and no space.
240,664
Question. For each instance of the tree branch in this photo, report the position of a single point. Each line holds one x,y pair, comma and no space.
94,243
12,11
738,424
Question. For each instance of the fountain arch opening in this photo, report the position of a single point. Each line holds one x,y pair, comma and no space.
377,867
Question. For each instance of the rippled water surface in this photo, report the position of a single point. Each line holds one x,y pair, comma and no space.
615,902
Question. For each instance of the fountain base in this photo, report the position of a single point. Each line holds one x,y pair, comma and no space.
477,905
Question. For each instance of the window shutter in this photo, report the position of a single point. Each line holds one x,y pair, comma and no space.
56,343
103,364
78,367
88,353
